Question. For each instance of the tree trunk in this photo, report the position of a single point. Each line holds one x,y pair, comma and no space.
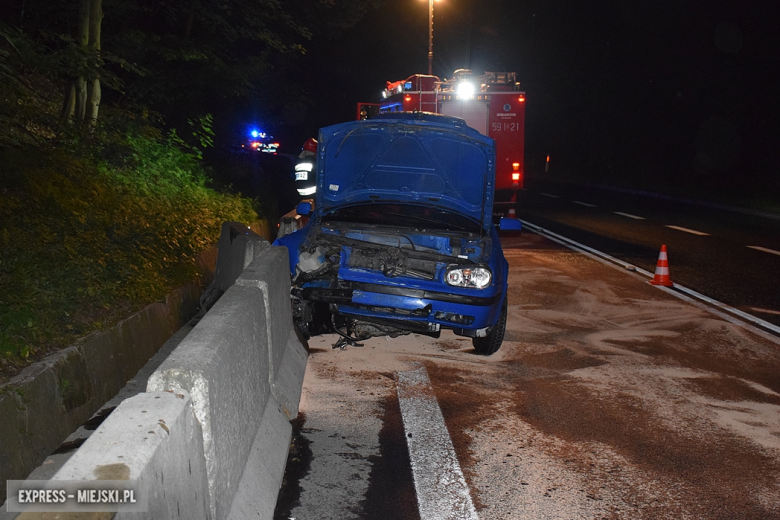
81,81
82,100
94,95
94,103
69,105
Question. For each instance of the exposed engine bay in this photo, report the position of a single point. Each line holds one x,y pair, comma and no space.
339,262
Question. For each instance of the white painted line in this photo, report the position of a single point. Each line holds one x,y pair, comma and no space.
442,492
691,231
548,195
629,215
607,259
764,249
767,311
584,204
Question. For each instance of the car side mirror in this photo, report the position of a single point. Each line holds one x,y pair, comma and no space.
510,224
303,209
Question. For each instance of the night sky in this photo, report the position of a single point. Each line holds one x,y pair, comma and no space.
682,92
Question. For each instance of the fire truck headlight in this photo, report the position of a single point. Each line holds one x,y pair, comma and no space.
465,90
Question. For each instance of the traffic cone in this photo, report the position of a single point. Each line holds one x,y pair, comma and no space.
512,213
662,270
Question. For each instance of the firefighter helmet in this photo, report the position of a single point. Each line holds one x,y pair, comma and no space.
310,145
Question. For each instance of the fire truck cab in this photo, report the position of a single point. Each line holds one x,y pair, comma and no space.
491,103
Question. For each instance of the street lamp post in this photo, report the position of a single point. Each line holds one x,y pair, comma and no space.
430,37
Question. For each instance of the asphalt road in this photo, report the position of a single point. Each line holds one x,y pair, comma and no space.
610,399
728,256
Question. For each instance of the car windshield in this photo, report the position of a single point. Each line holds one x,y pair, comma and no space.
403,215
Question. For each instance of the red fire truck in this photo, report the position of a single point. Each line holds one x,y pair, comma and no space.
491,103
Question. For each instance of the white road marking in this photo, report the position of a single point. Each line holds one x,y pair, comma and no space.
629,215
584,204
691,231
548,195
764,249
442,492
767,311
608,259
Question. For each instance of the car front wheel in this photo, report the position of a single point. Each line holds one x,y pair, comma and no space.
495,336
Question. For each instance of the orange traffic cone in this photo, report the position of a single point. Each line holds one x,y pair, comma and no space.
512,213
662,270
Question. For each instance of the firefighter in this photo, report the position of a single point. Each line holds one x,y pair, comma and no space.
306,170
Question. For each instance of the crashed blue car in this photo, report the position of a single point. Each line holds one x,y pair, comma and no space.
402,239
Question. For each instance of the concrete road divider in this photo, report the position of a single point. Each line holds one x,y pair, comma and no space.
269,275
244,368
238,246
155,440
258,489
223,364
237,378
44,404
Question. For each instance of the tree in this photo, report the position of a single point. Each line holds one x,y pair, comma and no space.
82,101
177,58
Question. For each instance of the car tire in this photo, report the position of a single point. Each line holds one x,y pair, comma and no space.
495,337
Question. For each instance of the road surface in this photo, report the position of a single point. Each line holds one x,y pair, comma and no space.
725,255
610,398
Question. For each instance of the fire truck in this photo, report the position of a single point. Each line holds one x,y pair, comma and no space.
491,103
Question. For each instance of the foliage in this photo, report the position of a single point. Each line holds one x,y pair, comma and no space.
96,223
202,135
83,242
200,53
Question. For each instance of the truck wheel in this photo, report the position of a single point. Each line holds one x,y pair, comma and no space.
492,342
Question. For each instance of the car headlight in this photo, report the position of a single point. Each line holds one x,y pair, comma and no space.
472,276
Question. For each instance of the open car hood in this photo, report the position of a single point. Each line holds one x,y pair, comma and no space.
414,158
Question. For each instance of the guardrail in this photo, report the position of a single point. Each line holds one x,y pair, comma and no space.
209,438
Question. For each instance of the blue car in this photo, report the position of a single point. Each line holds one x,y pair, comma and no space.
402,239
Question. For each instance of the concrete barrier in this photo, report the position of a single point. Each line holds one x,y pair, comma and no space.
243,365
44,404
240,373
154,439
223,364
270,276
238,246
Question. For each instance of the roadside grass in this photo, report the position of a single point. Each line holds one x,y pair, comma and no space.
90,232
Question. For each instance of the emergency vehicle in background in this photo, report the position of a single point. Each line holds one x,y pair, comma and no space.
491,103
261,142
